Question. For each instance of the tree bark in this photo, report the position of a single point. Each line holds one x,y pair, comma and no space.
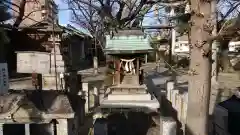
215,44
200,70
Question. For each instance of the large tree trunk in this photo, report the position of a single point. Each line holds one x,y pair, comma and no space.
200,70
215,44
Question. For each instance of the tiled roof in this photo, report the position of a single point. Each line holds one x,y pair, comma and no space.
81,30
128,42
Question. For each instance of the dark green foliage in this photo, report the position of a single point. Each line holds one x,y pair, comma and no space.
183,28
3,37
182,25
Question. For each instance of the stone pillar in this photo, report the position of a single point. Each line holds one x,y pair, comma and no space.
174,98
184,110
172,13
170,87
173,41
117,77
86,96
96,96
146,58
185,98
179,103
1,129
27,129
95,65
168,126
62,127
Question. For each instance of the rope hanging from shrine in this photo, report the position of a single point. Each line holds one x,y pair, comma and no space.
128,65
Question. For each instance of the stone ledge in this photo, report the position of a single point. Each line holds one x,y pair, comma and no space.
36,107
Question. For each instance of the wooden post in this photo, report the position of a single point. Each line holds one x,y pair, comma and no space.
113,77
137,70
117,72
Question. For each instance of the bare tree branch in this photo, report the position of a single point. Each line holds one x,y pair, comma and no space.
10,3
234,7
173,3
21,10
21,13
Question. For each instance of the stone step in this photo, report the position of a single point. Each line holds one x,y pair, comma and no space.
147,106
128,89
129,92
131,97
130,79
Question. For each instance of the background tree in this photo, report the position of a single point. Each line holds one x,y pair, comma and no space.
160,38
86,16
16,7
117,14
5,6
5,15
230,16
200,26
3,36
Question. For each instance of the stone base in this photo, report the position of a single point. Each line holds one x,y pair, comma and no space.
168,126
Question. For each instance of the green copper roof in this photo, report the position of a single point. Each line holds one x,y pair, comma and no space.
127,44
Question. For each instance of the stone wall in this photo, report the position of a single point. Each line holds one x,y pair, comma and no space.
178,100
91,96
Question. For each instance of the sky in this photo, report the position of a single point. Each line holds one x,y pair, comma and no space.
65,15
